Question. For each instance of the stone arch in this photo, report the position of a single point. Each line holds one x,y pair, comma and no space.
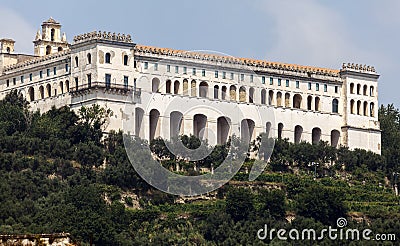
316,135
203,89
223,129
279,99
287,100
297,101
168,85
232,93
268,129
216,91
335,136
317,104
176,124
176,87
223,92
298,132
41,92
193,89
242,94
48,90
280,130
139,115
251,95
271,97
155,85
199,126
263,96
154,119
247,132
309,102
31,93
185,87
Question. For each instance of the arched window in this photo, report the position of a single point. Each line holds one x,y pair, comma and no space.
358,89
335,106
185,87
242,94
52,34
60,49
317,102
298,131
48,90
270,97
62,87
251,95
371,91
125,60
263,96
48,50
203,89
287,100
280,130
41,92
89,58
216,91
335,136
31,93
316,135
365,109
365,90
372,110
223,90
8,50
309,102
351,88
155,84
193,88
352,106
108,58
232,93
67,85
76,61
297,101
279,99
358,107
176,87
168,85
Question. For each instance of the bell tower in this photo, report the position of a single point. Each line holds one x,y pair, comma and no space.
49,40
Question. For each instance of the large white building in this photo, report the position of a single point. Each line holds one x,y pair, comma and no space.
165,92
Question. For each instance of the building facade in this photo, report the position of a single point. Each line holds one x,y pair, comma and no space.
165,92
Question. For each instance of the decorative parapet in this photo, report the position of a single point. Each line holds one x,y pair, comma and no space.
142,49
358,67
103,36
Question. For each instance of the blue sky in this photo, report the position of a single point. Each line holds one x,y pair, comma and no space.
309,32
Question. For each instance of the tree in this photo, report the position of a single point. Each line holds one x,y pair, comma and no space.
239,203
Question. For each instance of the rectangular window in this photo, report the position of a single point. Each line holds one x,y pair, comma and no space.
66,67
287,83
279,82
194,71
232,76
146,65
271,81
14,81
242,77
297,84
30,77
22,79
336,89
48,72
309,85
55,70
251,78
168,68
317,87
176,69
203,73
126,81
89,80
184,70
263,80
108,80
8,82
325,87
155,66
41,74
224,75
216,74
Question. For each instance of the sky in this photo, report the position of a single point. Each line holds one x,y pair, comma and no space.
319,33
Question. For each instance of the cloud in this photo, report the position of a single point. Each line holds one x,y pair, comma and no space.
308,32
15,27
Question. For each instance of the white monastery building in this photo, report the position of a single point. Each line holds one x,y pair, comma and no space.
166,92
